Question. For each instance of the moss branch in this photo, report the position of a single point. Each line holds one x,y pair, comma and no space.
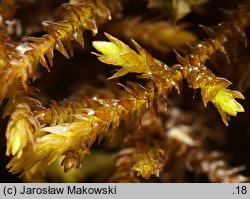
21,65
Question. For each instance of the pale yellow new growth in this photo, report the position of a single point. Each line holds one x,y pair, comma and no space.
21,129
226,104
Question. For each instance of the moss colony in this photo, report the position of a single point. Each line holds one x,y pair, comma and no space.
125,91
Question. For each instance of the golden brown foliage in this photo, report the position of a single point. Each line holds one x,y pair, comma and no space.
24,57
39,134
